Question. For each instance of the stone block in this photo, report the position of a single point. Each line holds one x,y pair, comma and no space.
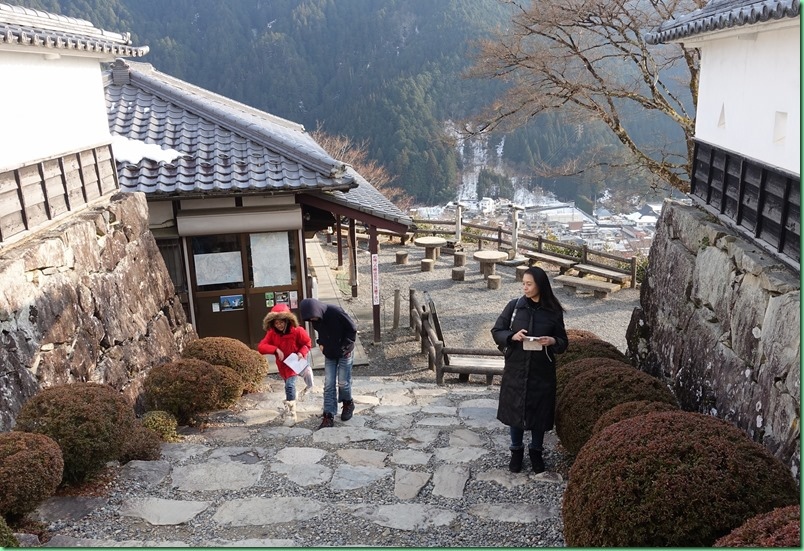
459,274
460,258
427,264
494,281
401,257
520,271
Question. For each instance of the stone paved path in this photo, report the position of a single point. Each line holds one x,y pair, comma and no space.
415,457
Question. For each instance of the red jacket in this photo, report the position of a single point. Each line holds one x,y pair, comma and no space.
294,339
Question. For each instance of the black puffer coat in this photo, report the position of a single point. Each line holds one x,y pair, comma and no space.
528,387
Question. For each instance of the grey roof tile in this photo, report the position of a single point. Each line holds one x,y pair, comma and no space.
21,26
227,146
722,14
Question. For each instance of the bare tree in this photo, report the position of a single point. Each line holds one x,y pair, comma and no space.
589,59
356,155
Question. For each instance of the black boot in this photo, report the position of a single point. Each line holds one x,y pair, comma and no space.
515,466
536,461
348,410
326,421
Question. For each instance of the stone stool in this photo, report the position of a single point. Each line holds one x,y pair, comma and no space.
458,274
520,271
460,258
401,257
494,281
427,264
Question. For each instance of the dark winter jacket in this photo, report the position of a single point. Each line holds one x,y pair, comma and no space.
336,330
528,386
294,339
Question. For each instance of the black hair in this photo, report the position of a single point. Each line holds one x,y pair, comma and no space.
546,295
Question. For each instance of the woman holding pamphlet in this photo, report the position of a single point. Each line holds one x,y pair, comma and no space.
290,344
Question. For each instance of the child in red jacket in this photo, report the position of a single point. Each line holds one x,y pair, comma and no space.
283,337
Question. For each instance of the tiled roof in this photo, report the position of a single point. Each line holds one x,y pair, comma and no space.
723,14
33,28
227,147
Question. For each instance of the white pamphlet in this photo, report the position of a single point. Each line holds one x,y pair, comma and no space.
296,362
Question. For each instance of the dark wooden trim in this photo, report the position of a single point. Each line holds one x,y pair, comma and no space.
21,196
40,167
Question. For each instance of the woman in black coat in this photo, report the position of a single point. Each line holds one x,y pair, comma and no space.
531,330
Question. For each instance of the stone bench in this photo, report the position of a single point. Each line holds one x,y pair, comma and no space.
459,274
460,258
427,264
520,272
563,264
606,273
601,289
401,257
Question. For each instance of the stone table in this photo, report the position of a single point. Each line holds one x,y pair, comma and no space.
488,260
432,246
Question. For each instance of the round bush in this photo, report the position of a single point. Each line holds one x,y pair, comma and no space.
90,422
590,348
162,423
143,445
577,334
779,528
7,538
232,353
188,387
627,410
592,393
670,479
31,468
565,372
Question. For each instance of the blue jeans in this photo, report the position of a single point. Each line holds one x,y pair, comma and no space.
290,388
536,439
342,369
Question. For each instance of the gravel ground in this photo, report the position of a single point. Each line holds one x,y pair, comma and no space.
467,310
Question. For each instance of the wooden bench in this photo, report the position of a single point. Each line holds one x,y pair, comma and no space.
563,264
611,275
463,361
601,289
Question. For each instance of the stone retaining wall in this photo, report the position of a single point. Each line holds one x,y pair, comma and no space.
89,300
720,323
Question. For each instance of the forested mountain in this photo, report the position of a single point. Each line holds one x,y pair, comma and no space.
385,71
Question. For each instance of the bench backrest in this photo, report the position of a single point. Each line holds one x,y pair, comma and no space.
428,300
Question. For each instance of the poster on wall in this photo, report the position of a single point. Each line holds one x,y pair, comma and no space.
269,300
270,258
282,297
294,299
216,268
231,302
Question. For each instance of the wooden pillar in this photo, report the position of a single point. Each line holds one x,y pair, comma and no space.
338,238
353,256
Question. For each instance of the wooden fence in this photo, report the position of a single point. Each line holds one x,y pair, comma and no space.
32,195
761,203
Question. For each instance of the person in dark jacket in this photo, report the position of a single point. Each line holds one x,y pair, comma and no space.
531,332
336,338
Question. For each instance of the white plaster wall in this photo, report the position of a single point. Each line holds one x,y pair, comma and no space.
752,77
49,107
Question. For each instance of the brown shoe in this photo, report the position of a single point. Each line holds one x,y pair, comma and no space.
326,422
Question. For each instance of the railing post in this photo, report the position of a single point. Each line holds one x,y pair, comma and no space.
539,244
424,335
458,222
411,306
583,254
633,272
499,236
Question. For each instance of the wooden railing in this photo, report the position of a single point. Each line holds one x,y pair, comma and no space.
35,194
760,202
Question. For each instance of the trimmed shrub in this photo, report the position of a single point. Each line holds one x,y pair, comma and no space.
577,334
143,445
7,538
162,423
627,410
565,372
590,348
592,393
232,353
31,468
188,387
90,422
779,528
670,479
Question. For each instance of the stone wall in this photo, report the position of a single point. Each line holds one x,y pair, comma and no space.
88,300
720,322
